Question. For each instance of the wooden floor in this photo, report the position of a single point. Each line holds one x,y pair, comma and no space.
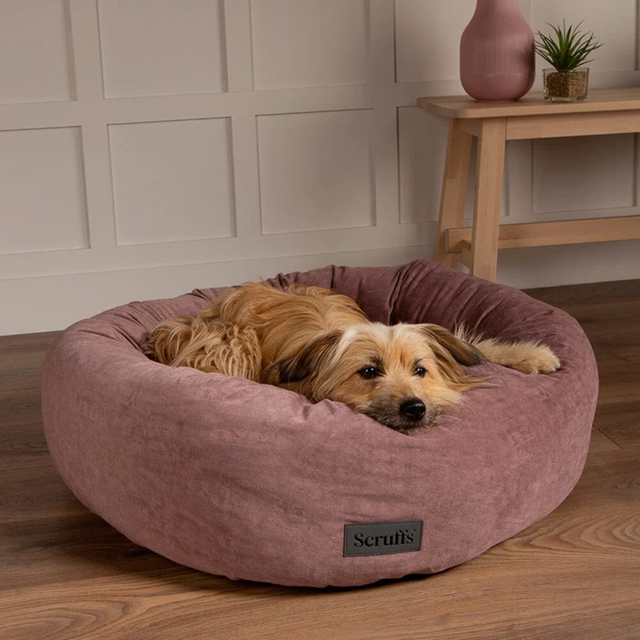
66,574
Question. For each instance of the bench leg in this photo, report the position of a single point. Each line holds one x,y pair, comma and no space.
454,189
486,216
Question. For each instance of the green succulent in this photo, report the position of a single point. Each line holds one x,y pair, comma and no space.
569,49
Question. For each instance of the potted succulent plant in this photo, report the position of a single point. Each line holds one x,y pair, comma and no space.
567,50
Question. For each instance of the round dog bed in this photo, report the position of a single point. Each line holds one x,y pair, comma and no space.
255,482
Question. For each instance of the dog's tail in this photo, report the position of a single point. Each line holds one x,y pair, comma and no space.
214,347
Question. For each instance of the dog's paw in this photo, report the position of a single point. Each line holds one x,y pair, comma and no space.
535,358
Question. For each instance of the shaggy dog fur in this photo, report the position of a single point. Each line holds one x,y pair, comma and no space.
321,344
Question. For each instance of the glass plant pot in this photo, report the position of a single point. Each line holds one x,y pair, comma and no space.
565,86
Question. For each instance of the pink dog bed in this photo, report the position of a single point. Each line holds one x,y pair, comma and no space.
254,482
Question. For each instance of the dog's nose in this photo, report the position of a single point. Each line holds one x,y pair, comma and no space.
413,408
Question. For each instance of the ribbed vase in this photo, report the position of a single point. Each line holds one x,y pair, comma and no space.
497,56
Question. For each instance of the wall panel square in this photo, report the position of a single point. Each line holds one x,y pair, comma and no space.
34,52
42,198
422,149
172,181
161,47
304,43
316,171
428,38
573,174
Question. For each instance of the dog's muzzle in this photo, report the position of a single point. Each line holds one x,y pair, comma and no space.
409,416
413,409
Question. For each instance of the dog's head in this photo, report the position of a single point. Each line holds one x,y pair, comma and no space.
402,376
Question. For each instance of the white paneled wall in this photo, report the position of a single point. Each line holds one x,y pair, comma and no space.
35,65
161,47
569,179
310,43
148,147
172,181
316,171
50,214
427,37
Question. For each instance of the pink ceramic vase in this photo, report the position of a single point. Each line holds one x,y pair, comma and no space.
497,57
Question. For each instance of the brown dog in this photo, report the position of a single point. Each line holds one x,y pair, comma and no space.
321,344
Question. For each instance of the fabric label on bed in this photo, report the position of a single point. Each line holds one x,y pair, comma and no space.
382,538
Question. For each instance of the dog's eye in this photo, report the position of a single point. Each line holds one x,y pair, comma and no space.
420,371
368,373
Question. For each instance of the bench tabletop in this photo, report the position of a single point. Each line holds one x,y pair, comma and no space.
533,104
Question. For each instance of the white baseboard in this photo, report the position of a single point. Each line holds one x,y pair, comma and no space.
50,303
570,264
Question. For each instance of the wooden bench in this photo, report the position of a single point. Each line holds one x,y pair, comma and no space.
606,111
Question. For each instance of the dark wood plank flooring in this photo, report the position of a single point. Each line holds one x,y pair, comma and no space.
64,573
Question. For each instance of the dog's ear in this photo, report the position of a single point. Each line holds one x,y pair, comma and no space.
309,360
463,352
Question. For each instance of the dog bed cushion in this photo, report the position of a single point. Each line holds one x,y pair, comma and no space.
255,482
